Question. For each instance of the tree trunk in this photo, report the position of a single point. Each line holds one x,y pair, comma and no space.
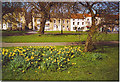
61,26
89,46
42,23
42,26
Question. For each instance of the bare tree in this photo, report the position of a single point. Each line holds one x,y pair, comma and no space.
44,9
63,10
94,8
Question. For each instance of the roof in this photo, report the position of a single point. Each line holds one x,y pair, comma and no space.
80,16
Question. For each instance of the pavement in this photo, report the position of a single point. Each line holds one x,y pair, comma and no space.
39,44
56,43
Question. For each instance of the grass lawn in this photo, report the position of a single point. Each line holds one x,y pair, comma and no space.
84,69
65,32
57,38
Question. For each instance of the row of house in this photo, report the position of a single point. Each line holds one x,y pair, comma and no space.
76,22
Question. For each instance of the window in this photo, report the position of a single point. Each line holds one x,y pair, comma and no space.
54,25
67,21
63,26
19,24
38,20
9,24
73,19
88,19
73,23
96,19
54,21
63,21
59,21
77,23
67,26
82,23
74,28
88,22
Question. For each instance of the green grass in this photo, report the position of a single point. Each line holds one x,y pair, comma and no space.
65,32
43,38
105,69
57,38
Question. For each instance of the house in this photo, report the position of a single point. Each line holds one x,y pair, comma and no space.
75,22
14,21
57,24
80,22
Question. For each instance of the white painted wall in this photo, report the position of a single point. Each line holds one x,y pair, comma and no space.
4,26
33,24
80,23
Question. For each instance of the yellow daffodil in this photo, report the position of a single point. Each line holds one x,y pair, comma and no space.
23,71
32,52
72,56
36,62
64,61
68,59
39,67
27,59
32,57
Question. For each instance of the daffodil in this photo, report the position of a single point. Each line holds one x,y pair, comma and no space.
32,52
23,71
32,57
68,59
36,62
39,67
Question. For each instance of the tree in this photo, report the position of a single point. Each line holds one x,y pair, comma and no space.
94,8
44,9
52,9
10,11
63,10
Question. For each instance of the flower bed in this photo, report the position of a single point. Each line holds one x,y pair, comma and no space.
49,58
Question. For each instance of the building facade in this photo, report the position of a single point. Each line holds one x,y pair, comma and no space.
76,22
